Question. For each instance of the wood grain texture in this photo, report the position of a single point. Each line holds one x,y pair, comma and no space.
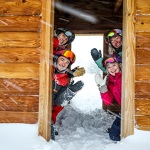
142,7
19,55
143,122
19,103
19,39
142,106
18,117
22,71
19,87
142,90
142,73
142,54
20,7
20,23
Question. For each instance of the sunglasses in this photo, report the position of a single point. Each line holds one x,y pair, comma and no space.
69,55
109,60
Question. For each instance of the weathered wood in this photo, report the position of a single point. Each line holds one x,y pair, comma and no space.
142,56
142,40
142,73
142,90
22,71
19,103
45,97
142,24
142,106
143,122
18,117
142,7
19,23
19,55
19,39
20,7
19,87
128,71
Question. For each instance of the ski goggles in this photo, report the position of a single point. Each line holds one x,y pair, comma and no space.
111,34
109,60
69,55
68,33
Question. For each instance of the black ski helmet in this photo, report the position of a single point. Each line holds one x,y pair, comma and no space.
70,34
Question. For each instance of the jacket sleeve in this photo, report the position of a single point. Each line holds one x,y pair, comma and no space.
99,64
107,98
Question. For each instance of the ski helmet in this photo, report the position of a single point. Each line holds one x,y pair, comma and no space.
67,54
111,34
70,34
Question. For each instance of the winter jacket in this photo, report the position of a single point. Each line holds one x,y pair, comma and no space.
112,89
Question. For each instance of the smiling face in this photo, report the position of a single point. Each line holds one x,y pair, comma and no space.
113,68
116,41
62,63
62,38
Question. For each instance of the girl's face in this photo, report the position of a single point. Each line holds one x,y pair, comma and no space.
113,68
62,38
62,63
116,41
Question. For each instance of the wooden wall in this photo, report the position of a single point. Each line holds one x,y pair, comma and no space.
19,60
142,66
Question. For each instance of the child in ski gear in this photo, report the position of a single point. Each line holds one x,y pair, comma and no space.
62,91
114,41
110,90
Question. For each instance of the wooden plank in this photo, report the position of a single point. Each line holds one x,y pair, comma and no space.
19,87
142,107
18,117
142,54
22,71
128,71
142,40
142,90
19,55
19,39
142,7
19,23
19,103
142,23
117,5
142,73
45,101
143,123
20,7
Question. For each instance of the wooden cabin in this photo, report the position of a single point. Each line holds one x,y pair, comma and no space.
26,43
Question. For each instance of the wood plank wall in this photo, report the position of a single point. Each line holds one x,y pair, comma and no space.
142,66
20,43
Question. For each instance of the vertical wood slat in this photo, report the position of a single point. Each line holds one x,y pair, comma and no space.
45,98
128,71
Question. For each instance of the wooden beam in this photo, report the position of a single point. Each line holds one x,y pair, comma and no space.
117,6
128,70
45,97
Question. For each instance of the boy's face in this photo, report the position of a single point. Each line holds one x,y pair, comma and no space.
116,41
62,63
62,38
113,68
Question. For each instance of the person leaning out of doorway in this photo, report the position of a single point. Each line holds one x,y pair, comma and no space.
110,90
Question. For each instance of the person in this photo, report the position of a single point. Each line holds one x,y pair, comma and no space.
110,90
114,42
62,90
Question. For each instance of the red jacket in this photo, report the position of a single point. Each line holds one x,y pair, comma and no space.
114,89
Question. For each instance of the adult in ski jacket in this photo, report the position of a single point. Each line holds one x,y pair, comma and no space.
110,90
114,41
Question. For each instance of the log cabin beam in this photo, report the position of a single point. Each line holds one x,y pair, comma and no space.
117,6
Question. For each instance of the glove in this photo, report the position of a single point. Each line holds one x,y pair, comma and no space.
96,54
78,71
101,83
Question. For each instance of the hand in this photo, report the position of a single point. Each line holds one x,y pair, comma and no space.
100,81
96,54
78,71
